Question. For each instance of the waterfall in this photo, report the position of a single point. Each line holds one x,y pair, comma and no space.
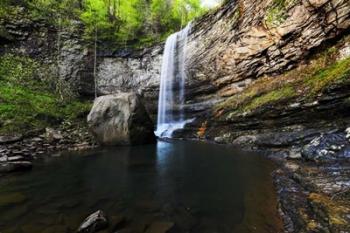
172,85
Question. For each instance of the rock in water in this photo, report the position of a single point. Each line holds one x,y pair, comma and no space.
6,167
95,222
120,119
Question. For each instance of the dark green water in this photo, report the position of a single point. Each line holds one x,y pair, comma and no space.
200,187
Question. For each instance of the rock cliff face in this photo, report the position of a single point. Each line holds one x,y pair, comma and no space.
245,40
241,57
138,71
232,48
21,35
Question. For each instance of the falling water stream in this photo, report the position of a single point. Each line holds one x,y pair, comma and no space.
172,84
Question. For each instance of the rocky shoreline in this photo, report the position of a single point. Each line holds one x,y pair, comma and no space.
314,197
313,180
18,152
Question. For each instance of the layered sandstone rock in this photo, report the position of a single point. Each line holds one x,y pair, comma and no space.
245,40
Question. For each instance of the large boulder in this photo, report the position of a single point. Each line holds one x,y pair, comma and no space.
121,119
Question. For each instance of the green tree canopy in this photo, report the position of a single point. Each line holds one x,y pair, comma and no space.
133,22
138,21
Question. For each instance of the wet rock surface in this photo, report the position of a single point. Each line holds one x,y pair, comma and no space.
313,181
331,146
94,223
9,139
314,197
13,166
100,222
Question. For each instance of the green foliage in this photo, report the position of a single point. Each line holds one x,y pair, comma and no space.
23,109
94,16
59,13
175,15
137,21
122,22
26,102
275,16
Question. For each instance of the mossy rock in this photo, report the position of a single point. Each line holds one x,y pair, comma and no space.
274,96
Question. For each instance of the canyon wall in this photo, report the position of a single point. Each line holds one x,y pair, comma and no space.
61,53
269,75
137,71
246,40
230,50
235,53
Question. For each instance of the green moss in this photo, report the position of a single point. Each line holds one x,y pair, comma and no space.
262,92
27,102
18,69
339,71
271,97
276,13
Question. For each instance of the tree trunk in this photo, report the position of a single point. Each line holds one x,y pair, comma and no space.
59,81
95,61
